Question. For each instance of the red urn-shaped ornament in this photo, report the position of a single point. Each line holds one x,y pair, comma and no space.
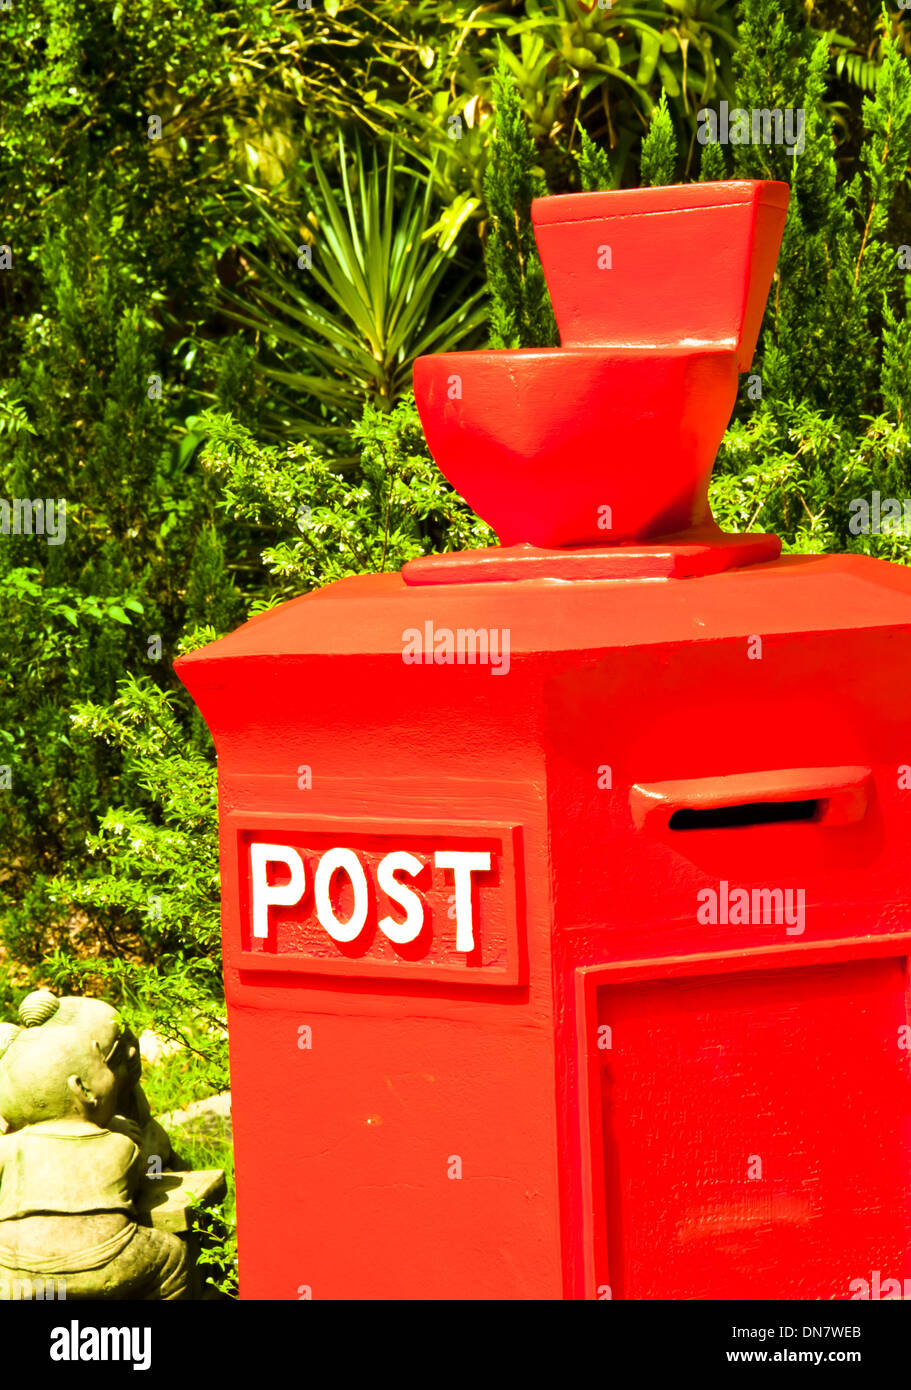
609,439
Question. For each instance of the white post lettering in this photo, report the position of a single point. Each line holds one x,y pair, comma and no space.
463,863
401,862
346,860
265,893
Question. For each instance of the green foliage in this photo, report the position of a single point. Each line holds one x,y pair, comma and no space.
712,165
858,59
887,148
370,281
154,878
895,373
216,1226
78,613
326,524
659,148
171,1083
831,425
573,61
78,84
794,471
13,418
837,263
211,597
593,164
521,313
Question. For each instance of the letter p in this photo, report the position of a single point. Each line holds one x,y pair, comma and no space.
265,894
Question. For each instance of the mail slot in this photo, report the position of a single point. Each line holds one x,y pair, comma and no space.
581,972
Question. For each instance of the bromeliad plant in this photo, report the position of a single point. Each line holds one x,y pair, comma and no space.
370,281
592,63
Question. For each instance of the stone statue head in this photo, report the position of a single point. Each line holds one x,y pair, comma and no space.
73,1058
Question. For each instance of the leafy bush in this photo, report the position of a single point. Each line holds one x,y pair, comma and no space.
574,63
831,424
369,282
659,148
328,525
155,874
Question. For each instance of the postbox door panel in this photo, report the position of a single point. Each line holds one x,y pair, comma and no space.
757,1133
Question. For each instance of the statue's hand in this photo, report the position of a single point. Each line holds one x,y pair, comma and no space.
120,1125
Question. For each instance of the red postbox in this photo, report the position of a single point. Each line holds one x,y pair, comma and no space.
565,883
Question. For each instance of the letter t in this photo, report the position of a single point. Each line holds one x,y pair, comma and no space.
463,863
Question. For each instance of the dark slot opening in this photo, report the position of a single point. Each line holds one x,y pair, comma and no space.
749,813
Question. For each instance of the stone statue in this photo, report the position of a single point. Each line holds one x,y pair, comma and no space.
77,1143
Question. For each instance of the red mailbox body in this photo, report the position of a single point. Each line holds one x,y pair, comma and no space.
565,891
582,1166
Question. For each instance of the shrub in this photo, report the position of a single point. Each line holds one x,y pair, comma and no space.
521,314
371,279
831,423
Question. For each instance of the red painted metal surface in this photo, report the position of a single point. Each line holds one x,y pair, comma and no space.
636,430
633,405
703,550
624,1018
343,1149
702,276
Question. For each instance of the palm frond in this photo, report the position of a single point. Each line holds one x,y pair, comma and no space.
386,283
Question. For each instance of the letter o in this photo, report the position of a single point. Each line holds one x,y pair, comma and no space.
347,860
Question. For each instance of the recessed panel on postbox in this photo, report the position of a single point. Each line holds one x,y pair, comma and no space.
397,899
771,1156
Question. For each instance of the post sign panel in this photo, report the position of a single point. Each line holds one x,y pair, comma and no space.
371,897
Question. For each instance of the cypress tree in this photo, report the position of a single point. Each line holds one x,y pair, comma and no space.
521,313
824,320
593,164
830,422
712,166
659,148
